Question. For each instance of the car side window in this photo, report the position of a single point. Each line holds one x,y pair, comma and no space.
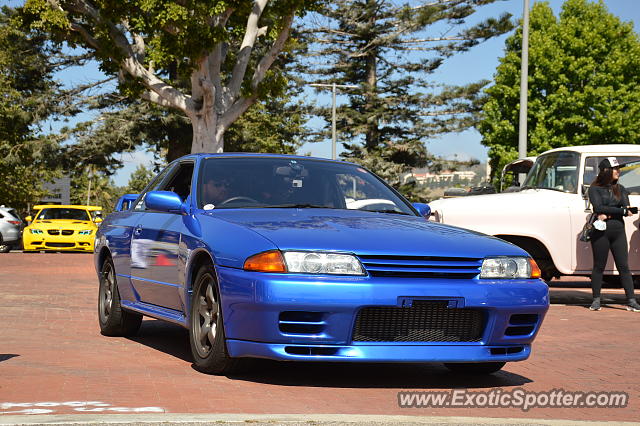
140,206
180,181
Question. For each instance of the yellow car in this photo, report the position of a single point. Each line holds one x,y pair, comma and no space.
62,228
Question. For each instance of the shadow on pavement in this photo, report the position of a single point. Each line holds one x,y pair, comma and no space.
173,340
164,337
370,375
4,357
582,296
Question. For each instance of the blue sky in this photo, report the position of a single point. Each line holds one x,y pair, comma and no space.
477,64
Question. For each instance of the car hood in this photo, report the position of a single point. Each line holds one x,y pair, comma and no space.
527,200
63,223
362,232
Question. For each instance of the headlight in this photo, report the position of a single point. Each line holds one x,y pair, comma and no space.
35,231
304,262
509,267
85,232
322,263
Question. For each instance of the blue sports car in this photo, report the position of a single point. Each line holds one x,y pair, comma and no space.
303,259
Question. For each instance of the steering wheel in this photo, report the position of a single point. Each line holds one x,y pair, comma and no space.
240,198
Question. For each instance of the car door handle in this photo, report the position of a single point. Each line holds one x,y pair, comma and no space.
137,231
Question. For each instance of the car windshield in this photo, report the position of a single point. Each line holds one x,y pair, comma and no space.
557,171
293,183
63,213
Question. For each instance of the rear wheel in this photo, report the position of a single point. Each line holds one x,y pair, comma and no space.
4,247
114,321
475,367
206,333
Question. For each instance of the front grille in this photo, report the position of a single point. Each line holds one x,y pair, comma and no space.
53,231
421,266
67,232
60,244
425,321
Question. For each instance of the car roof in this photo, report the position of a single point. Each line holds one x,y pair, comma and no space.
66,206
600,149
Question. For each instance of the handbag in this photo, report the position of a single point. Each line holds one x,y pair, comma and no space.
587,229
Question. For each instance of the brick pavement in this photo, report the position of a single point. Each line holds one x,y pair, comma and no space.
53,360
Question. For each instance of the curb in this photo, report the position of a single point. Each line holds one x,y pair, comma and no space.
270,419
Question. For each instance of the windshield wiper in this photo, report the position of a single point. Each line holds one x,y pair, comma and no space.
542,187
389,211
296,206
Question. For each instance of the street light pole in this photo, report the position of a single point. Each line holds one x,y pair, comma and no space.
524,75
333,87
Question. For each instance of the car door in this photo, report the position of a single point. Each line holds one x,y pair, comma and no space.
158,237
141,241
580,210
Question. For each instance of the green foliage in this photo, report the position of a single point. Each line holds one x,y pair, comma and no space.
27,98
584,74
390,49
139,179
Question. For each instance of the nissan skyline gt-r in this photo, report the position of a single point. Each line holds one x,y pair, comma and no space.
61,228
268,256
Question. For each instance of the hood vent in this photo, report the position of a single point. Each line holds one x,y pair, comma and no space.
421,266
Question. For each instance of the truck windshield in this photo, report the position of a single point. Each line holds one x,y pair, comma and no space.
556,171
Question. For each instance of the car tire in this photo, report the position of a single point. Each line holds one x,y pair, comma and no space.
206,331
475,367
114,321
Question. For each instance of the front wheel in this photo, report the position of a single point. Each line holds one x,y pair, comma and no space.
206,333
475,367
114,321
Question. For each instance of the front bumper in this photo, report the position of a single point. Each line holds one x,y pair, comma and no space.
253,305
36,242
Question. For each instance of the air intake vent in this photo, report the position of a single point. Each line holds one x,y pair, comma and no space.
421,266
301,322
425,321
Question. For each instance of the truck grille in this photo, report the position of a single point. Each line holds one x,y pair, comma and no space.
421,266
425,321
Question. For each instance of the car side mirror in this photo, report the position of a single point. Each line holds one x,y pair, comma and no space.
423,209
585,191
97,220
164,201
28,219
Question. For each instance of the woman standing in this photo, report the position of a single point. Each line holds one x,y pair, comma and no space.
610,202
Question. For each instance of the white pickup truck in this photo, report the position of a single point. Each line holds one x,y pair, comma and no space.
545,217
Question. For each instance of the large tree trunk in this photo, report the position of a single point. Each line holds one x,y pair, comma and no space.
205,133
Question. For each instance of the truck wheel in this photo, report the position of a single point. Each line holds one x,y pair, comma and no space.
474,367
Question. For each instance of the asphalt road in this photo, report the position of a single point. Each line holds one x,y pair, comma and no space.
54,362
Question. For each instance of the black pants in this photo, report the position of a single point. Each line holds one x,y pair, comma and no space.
615,239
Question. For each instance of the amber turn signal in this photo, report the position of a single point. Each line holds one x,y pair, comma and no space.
268,261
535,270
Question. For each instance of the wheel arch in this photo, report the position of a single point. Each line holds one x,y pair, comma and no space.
198,259
537,250
102,256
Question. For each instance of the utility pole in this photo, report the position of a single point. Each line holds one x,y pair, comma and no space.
333,87
524,76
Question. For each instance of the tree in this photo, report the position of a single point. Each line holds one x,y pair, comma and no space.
222,52
390,49
584,75
28,96
139,179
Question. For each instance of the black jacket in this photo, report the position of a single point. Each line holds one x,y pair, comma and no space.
604,202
